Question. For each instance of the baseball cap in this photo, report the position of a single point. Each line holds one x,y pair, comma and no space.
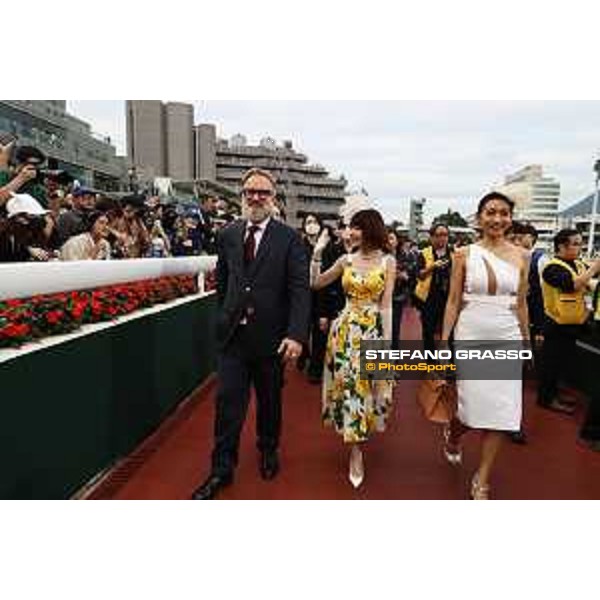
24,204
83,191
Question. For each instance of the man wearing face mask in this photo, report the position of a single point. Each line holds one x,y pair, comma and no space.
264,307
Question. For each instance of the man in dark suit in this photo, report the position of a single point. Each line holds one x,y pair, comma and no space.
264,308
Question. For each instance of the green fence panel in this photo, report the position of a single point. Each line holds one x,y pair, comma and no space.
71,410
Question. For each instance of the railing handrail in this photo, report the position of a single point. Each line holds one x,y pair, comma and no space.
23,280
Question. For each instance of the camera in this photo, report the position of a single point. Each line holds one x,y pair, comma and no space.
61,177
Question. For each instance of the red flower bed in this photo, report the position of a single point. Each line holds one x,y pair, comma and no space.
32,318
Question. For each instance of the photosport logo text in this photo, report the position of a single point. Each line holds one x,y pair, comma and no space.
487,360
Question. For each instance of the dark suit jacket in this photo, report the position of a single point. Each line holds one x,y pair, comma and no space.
273,291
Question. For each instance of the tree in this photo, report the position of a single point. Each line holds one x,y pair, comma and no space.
451,219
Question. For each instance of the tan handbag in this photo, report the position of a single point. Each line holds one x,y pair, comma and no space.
438,400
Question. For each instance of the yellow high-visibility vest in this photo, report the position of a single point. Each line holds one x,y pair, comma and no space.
562,307
424,285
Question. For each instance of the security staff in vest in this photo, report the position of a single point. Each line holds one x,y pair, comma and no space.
433,285
565,281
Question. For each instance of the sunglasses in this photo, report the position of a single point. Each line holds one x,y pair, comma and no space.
261,194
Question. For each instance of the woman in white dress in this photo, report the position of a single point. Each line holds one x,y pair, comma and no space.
487,301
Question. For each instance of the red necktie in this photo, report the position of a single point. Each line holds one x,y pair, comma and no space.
250,243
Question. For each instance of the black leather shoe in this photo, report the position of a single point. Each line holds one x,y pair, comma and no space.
211,487
269,465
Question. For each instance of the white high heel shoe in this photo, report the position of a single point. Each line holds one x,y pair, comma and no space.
357,467
478,491
452,453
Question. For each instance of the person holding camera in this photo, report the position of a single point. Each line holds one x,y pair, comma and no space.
25,177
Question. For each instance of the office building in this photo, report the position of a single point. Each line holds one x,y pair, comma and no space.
67,141
179,136
536,198
162,141
303,187
146,138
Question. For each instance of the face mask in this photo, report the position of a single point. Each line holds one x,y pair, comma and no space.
312,229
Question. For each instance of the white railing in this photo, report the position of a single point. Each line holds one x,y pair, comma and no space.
22,280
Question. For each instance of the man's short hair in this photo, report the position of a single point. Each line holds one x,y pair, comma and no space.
29,155
529,229
563,237
260,173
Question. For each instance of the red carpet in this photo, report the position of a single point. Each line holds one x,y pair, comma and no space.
404,463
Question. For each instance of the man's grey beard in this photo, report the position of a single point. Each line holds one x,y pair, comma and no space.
265,212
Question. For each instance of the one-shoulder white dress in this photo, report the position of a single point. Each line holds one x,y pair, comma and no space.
485,404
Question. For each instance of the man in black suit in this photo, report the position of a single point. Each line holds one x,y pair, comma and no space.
264,308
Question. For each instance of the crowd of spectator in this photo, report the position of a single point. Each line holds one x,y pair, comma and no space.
47,215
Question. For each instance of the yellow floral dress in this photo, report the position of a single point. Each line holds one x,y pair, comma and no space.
353,406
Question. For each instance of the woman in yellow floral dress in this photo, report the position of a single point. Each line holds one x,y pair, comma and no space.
357,407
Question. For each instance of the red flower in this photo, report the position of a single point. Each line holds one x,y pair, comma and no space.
54,316
14,330
53,313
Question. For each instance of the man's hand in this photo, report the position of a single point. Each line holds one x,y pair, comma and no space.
289,349
27,173
324,324
39,254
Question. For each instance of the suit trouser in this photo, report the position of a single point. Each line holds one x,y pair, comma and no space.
397,311
238,369
558,360
431,321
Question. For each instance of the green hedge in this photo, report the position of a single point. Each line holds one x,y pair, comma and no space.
71,410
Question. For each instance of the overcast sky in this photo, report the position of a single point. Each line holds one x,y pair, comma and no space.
447,152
